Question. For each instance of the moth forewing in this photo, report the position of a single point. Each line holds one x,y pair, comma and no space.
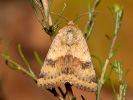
68,60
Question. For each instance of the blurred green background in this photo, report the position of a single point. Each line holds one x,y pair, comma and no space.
17,20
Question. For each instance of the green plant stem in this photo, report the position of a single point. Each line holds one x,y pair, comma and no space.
103,72
107,61
19,66
47,15
98,90
45,6
124,91
112,45
89,9
117,26
38,4
120,92
113,88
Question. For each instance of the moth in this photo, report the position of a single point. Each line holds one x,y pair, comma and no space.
68,60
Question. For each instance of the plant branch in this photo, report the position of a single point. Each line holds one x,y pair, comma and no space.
92,18
111,52
46,7
18,66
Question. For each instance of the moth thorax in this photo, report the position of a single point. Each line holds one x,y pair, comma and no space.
70,36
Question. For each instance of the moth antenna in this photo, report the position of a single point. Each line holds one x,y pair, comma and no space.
85,14
59,15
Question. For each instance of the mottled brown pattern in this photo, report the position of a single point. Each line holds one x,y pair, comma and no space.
68,60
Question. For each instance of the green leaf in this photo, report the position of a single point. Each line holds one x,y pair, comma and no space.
125,77
109,39
121,12
112,13
13,62
113,88
98,61
37,4
108,77
89,9
19,66
9,42
44,27
96,3
60,23
12,67
7,55
94,16
114,52
120,72
47,15
59,15
20,51
38,59
115,66
90,30
124,92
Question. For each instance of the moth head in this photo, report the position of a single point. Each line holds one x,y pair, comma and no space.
71,23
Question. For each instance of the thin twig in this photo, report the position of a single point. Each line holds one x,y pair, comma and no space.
111,52
106,62
120,92
45,6
19,66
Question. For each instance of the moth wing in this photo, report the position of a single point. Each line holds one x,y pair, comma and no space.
68,63
83,76
51,74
